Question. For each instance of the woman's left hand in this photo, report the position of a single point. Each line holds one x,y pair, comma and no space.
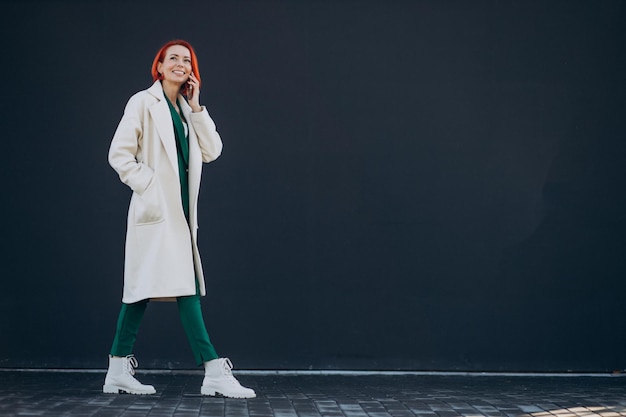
194,98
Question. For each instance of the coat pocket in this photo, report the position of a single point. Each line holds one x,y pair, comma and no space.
147,206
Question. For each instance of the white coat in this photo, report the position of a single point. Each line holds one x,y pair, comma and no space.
161,254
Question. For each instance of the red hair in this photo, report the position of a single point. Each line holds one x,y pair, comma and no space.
160,56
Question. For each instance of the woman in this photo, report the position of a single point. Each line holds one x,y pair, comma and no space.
158,150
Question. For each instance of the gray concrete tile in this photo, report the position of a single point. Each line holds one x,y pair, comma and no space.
178,394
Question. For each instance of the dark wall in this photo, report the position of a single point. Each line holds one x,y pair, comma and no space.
427,185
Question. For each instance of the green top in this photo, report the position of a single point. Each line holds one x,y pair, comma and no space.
182,148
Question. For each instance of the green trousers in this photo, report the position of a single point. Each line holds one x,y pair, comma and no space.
190,312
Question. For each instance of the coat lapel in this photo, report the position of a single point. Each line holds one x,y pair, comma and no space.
162,118
194,149
195,158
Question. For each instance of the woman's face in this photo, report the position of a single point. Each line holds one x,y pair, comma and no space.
176,65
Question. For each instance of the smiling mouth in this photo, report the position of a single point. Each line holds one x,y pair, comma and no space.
179,72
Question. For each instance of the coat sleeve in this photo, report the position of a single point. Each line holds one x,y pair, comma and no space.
208,138
125,150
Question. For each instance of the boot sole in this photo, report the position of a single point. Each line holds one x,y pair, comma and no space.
114,389
213,393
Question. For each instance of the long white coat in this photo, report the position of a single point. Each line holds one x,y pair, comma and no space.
161,255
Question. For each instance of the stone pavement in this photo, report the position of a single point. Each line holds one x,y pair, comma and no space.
34,393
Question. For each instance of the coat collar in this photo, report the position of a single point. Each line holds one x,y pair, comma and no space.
157,91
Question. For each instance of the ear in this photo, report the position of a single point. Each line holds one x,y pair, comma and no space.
159,66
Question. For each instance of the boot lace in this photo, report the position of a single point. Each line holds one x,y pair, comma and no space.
227,367
130,364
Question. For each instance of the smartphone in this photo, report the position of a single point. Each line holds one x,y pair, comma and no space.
189,90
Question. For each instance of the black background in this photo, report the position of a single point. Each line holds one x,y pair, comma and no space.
424,185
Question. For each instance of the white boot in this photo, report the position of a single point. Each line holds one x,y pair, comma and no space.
120,377
218,379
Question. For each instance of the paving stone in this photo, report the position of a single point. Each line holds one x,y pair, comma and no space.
178,394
